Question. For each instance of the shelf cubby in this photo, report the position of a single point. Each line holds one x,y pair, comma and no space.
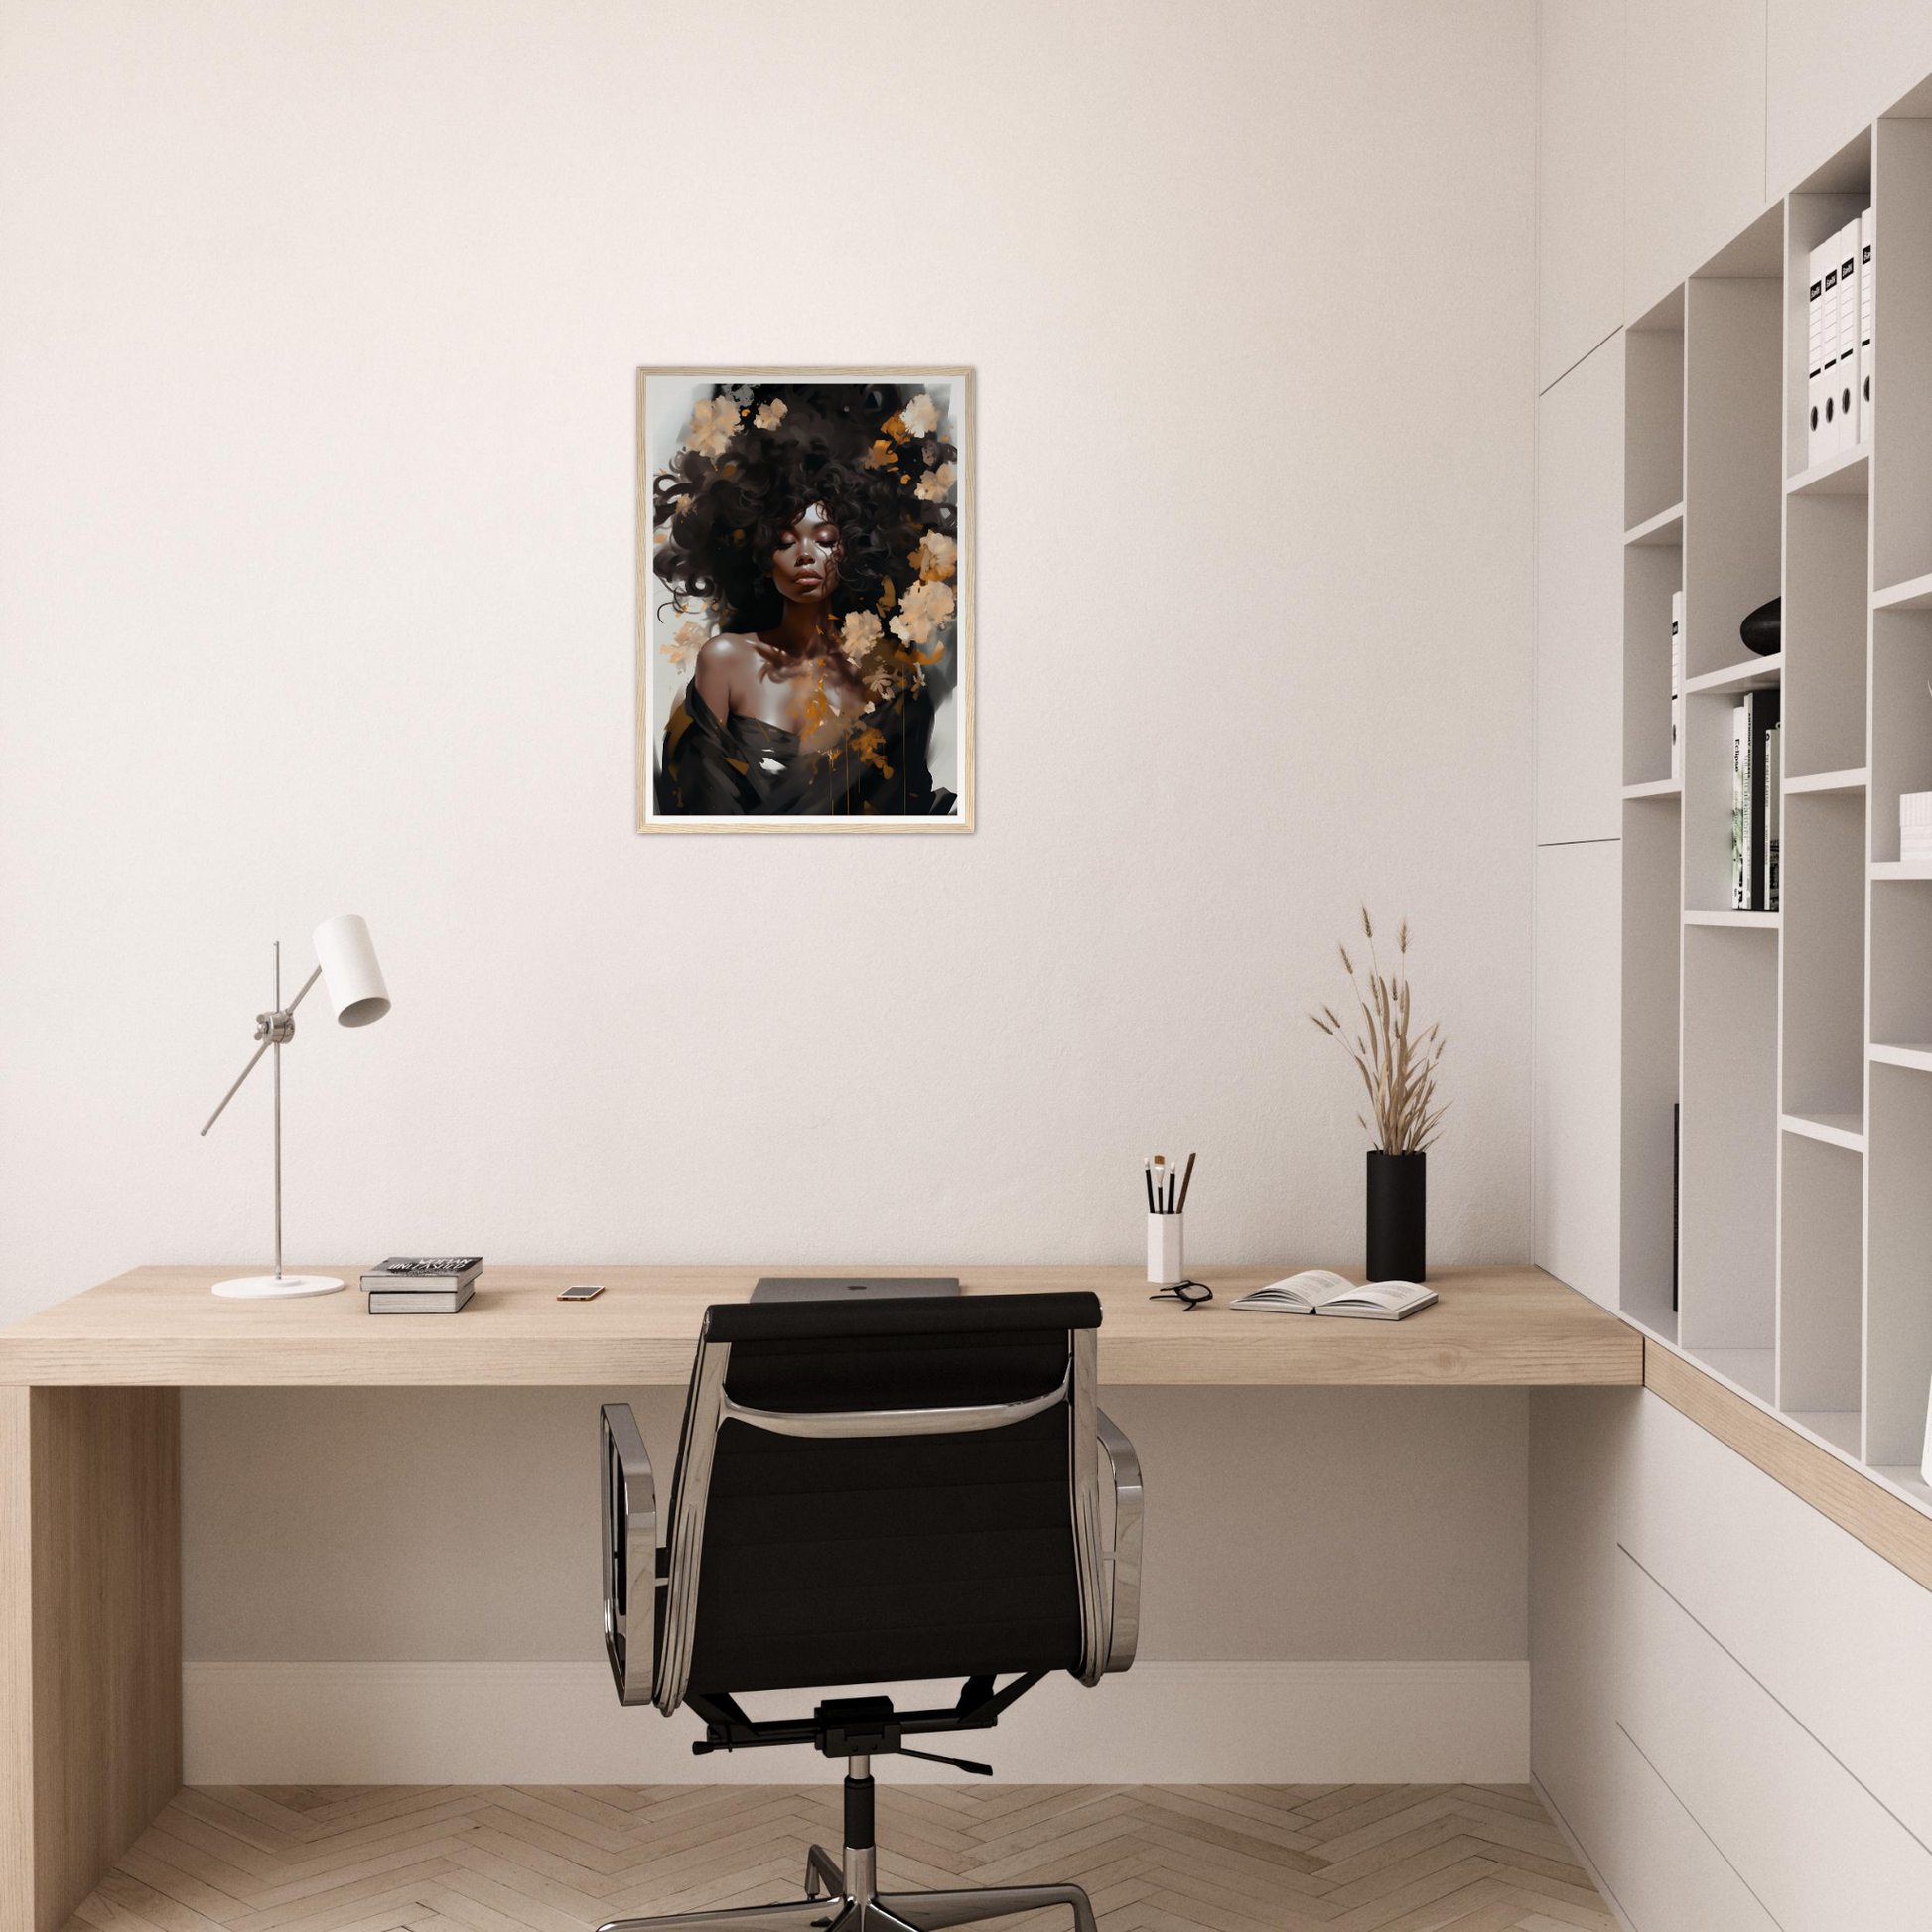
1653,435
1652,573
1730,1085
1733,480
1653,941
1901,401
1901,719
1901,964
1898,1311
1823,921
1826,612
1821,1257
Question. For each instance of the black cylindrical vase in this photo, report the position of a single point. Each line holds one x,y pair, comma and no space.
1398,1216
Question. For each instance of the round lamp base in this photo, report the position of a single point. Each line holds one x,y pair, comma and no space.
276,1288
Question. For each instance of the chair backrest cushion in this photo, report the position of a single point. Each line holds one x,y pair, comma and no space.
868,1559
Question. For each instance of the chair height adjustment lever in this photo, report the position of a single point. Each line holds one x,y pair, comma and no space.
958,1763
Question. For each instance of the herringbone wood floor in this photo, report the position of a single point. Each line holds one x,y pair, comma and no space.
562,1858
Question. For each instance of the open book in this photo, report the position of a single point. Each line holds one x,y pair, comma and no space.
1319,1291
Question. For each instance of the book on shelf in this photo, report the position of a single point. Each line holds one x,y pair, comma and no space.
1825,268
1847,393
420,1301
1761,718
1677,687
1321,1291
1814,357
1676,1194
1867,301
1740,810
423,1274
1773,808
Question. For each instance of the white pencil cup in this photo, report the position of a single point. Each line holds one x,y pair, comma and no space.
1165,1265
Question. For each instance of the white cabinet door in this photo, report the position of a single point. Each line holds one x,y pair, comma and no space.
1833,66
1693,137
1782,1587
1579,179
1818,1851
1580,602
1575,1114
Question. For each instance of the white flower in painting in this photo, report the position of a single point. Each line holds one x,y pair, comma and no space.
923,607
936,556
712,424
920,416
771,415
741,395
772,764
862,633
683,647
934,484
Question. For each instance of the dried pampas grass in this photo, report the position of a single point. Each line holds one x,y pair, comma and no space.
1398,1071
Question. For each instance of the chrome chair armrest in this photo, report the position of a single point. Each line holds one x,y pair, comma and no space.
630,1555
1124,1559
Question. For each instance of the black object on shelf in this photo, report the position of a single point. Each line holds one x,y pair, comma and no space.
1763,631
1398,1216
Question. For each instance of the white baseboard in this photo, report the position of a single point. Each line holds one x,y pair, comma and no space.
561,1723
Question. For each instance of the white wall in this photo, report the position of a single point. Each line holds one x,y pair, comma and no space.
317,340
316,490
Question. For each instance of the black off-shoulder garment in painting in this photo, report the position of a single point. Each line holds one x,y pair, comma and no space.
747,767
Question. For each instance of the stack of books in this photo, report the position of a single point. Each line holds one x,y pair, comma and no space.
422,1284
1840,354
1755,832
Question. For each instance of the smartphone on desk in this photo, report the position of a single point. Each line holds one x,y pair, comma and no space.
582,1292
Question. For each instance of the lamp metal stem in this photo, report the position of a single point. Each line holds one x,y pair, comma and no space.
278,1116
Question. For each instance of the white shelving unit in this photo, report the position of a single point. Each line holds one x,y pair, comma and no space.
1797,1044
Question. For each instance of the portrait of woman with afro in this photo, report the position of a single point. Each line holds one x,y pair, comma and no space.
805,652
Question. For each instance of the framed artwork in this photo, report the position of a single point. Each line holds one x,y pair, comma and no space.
804,600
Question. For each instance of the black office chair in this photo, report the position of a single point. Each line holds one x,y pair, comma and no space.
866,1494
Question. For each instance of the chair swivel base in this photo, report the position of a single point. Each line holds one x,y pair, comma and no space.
849,1904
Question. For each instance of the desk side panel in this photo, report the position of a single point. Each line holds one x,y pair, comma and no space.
16,1665
103,1537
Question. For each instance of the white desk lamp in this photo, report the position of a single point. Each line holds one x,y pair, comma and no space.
345,965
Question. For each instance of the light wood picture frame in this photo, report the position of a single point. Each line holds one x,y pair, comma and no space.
805,571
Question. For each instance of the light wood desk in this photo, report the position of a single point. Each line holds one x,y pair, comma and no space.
90,1461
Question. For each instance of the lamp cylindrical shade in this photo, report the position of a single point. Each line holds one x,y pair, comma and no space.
350,975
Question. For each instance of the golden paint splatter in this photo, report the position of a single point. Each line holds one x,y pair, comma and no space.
867,744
